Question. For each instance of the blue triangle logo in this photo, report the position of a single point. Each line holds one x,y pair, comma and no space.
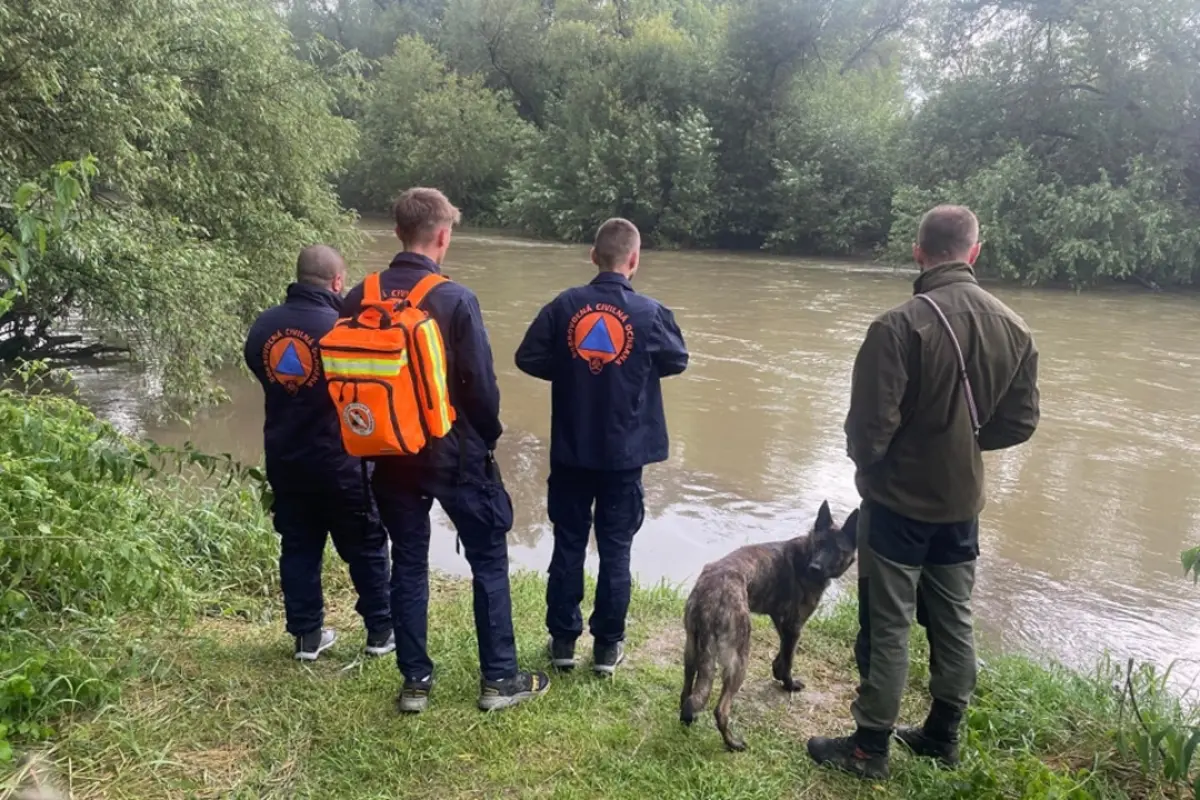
289,363
598,339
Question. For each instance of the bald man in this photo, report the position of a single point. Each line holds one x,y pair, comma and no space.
319,490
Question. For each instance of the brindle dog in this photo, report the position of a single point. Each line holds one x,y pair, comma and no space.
784,580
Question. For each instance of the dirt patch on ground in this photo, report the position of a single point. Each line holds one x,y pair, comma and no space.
663,647
821,708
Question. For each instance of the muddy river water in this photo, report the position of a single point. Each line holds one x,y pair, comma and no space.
1084,525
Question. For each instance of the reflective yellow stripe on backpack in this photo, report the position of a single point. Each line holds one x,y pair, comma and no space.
441,399
345,367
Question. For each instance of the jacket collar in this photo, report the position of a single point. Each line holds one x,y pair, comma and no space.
612,277
944,275
302,294
405,260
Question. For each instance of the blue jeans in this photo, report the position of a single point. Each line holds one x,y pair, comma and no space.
618,500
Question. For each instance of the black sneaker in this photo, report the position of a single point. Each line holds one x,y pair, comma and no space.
310,646
381,643
414,696
606,657
924,745
523,686
846,755
562,654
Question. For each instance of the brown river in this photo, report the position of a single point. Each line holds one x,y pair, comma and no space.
1084,525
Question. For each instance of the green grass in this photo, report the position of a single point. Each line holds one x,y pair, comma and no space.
220,710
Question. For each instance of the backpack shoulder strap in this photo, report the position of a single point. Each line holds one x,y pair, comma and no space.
371,291
424,287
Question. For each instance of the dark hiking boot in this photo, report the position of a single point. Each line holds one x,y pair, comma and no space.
606,657
310,646
922,744
494,695
845,754
938,737
414,696
381,643
562,654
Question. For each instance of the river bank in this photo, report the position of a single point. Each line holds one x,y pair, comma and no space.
1084,524
142,656
222,711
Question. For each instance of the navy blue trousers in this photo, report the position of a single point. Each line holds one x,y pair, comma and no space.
306,512
480,509
619,505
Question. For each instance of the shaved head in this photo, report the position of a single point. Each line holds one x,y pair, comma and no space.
616,243
320,265
948,233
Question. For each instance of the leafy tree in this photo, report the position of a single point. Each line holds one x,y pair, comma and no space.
1074,127
426,125
217,147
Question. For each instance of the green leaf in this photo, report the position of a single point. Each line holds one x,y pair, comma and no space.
24,195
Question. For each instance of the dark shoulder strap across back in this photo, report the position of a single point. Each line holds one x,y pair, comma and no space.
972,409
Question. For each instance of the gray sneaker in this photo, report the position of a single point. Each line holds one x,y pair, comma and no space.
494,695
562,654
606,657
381,643
310,646
414,697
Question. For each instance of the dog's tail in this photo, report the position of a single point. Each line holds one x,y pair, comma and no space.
699,669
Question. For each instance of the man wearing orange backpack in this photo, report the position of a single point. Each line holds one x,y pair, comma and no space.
410,371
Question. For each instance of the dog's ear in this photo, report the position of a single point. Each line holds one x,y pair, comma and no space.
824,518
850,529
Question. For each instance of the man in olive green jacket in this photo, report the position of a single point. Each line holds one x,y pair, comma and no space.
939,379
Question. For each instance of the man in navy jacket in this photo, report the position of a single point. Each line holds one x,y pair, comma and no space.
457,470
604,348
319,490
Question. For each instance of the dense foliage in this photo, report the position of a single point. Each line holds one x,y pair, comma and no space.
810,126
89,533
224,132
216,147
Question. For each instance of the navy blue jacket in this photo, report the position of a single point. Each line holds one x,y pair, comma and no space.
470,372
302,435
605,348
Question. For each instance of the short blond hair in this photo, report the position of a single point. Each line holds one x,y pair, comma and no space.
615,242
948,232
420,211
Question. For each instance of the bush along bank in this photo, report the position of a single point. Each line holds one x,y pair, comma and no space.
94,532
141,655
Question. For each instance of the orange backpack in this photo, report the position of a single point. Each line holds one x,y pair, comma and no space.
386,369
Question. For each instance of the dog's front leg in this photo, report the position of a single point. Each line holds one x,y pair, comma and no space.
789,637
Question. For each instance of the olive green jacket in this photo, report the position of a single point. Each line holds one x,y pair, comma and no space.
909,430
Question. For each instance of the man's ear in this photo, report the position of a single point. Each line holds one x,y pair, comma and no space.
592,256
974,254
443,238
